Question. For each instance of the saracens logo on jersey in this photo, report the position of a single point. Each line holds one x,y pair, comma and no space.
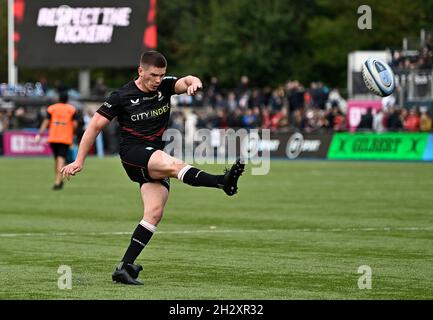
136,102
151,113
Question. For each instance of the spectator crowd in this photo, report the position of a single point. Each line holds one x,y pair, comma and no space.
284,108
414,59
289,107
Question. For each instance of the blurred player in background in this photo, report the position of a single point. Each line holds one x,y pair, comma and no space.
61,123
142,108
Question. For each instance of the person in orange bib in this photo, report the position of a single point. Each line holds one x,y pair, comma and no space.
61,123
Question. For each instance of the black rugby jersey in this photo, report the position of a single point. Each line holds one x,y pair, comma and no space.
143,117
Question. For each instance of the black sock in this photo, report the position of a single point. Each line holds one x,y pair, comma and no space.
139,239
198,178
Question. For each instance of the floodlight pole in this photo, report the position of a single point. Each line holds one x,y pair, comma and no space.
12,69
84,82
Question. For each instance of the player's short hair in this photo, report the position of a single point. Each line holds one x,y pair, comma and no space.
63,97
153,59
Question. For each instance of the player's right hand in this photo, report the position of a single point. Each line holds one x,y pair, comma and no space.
71,169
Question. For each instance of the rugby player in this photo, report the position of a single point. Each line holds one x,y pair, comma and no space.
142,108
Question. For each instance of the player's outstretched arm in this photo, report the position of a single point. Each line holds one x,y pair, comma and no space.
97,123
189,85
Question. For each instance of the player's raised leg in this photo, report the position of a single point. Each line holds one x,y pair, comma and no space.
154,196
162,165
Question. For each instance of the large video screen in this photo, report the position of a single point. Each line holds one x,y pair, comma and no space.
83,33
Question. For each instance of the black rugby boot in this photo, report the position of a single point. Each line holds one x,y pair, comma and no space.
121,275
133,269
231,177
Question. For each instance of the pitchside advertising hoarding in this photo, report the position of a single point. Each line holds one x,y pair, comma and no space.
83,33
357,108
294,145
288,145
22,143
385,146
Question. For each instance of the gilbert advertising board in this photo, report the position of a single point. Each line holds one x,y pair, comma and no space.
374,146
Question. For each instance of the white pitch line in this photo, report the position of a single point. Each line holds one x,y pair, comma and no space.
121,233
56,234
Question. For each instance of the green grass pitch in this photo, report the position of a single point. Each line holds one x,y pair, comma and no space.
300,232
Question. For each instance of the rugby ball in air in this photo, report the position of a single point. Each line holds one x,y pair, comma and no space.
378,77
